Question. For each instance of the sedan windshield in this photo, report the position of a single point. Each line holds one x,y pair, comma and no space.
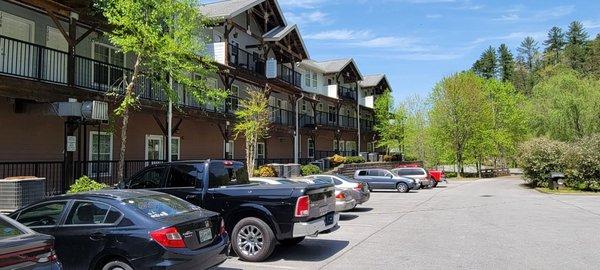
157,206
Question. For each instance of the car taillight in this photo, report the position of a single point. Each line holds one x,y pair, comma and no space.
302,206
340,196
359,186
168,237
222,230
49,256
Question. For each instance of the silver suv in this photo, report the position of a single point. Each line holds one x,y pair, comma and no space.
384,179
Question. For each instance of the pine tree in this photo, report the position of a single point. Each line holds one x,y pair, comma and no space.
487,65
527,52
555,44
575,51
506,63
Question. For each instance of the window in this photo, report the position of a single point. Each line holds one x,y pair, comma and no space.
42,215
154,147
362,173
307,78
161,205
370,147
175,148
101,149
108,68
183,176
314,79
221,174
304,106
232,103
336,145
8,230
228,149
90,213
149,178
332,114
260,150
311,148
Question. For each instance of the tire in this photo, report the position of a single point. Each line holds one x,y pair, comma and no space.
431,183
402,187
253,240
116,265
291,241
435,183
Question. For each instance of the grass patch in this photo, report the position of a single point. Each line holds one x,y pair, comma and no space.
565,190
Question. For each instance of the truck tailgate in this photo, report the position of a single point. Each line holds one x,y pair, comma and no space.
322,199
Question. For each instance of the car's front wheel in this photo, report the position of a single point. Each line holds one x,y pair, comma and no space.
402,187
253,240
291,241
116,265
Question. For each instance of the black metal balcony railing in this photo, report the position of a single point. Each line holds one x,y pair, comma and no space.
347,122
325,119
347,93
290,76
366,125
247,60
282,116
306,120
32,61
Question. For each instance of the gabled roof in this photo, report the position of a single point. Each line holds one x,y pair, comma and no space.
278,33
334,66
227,9
371,81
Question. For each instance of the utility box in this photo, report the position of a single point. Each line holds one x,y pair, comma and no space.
16,192
373,157
292,170
278,168
364,155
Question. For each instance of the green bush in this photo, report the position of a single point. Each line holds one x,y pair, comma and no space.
582,162
84,183
451,174
541,156
267,171
356,159
310,169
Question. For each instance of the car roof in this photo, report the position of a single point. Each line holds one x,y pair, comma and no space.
116,194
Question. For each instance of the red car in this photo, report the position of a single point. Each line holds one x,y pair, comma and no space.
438,176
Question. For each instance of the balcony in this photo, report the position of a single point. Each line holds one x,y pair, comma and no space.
38,63
282,116
250,61
368,102
290,76
347,122
306,120
347,93
366,125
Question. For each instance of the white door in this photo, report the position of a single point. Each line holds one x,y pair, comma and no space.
15,57
155,147
55,68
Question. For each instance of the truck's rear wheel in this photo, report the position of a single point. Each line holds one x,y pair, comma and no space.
253,240
291,241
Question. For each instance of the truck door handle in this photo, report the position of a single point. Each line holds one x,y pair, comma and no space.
97,236
189,197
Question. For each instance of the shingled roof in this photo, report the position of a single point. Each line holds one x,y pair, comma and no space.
227,9
278,33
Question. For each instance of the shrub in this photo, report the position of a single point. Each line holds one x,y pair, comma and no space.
336,160
356,159
310,169
392,157
84,183
267,171
541,156
451,174
582,161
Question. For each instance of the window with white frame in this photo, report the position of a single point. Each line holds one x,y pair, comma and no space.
175,148
307,78
232,101
332,114
311,148
342,147
101,149
260,150
108,67
336,145
228,149
314,79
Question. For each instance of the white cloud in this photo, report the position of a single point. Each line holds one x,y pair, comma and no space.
511,36
308,17
591,24
555,12
302,3
342,34
433,16
508,17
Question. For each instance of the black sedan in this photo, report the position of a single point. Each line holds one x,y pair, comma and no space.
22,248
127,229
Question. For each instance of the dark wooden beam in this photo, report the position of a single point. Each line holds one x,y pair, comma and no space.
87,33
160,125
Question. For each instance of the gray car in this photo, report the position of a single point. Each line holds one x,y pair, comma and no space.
359,190
384,179
416,173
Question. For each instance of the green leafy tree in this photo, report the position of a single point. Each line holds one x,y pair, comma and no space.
487,65
459,110
555,44
575,50
165,38
591,65
506,63
252,123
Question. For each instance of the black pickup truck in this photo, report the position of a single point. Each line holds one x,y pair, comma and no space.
257,216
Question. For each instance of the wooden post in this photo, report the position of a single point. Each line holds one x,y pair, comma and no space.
71,58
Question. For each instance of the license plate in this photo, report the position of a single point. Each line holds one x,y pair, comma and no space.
329,219
205,235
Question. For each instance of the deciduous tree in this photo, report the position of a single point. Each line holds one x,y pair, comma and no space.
252,122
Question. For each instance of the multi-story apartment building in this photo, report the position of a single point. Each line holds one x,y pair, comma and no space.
52,51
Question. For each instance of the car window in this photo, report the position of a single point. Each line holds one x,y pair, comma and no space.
222,174
362,173
375,173
7,229
337,181
183,176
415,171
90,213
346,178
42,215
150,178
161,205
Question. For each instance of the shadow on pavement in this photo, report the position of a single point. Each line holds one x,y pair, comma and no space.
362,209
394,191
344,217
311,249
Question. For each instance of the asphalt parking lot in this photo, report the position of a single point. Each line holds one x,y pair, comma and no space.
484,224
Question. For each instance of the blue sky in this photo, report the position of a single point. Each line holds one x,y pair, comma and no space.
418,42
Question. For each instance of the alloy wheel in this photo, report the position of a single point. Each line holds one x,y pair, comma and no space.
250,240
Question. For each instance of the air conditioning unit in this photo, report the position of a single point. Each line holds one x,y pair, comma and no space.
95,110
